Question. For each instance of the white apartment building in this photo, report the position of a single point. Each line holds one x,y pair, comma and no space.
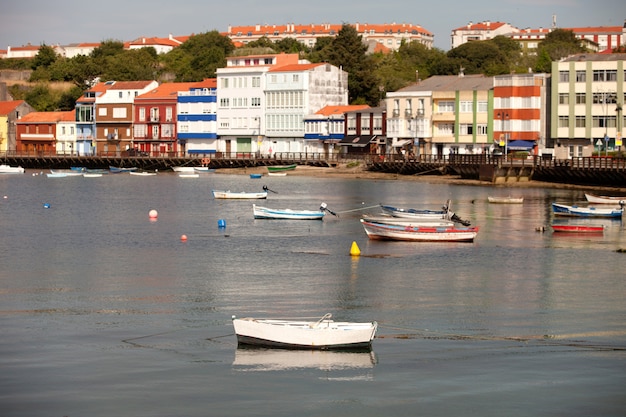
480,31
294,92
263,100
588,94
241,102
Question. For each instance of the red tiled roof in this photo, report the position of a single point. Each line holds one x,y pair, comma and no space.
295,67
129,85
7,107
166,90
48,117
334,110
206,83
481,26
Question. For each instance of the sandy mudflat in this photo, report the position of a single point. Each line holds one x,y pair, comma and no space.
343,171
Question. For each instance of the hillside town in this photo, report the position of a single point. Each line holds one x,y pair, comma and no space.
279,103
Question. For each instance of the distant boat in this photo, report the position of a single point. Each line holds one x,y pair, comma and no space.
203,169
281,168
575,211
383,231
143,173
288,214
505,200
256,175
277,174
7,169
183,169
576,228
92,174
238,195
410,213
122,169
60,173
604,199
322,334
409,222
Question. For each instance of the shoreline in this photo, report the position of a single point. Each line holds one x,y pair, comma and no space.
359,172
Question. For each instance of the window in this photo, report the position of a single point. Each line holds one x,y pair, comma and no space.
154,114
168,114
224,102
445,128
102,111
119,112
256,82
563,121
256,102
296,78
563,98
580,121
481,129
581,98
563,76
142,114
581,76
446,106
466,129
466,107
482,106
224,82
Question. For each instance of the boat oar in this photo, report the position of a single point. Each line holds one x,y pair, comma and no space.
324,207
267,189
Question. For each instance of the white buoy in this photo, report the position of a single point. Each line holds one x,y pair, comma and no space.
153,214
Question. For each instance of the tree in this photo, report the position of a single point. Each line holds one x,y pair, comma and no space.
560,43
348,51
199,57
44,58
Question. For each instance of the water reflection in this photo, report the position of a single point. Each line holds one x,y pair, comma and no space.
262,359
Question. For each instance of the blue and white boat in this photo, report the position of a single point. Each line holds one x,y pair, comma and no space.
289,214
575,211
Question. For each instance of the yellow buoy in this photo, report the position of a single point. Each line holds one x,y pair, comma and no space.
354,250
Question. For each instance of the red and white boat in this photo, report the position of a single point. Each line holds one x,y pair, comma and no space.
577,228
385,231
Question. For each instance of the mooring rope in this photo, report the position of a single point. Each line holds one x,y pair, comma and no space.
359,209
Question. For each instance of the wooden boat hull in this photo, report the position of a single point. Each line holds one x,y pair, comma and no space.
602,199
413,213
505,200
573,228
296,334
281,168
238,195
383,231
575,211
286,214
409,222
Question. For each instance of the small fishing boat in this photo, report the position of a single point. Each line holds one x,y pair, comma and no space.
410,213
277,174
408,222
505,200
7,169
242,195
322,334
281,168
577,228
143,173
117,170
203,169
575,211
183,169
256,175
289,214
605,199
62,173
383,231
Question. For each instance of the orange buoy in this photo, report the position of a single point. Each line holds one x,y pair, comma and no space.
153,214
183,238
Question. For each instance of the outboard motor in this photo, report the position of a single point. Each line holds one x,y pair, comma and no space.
324,207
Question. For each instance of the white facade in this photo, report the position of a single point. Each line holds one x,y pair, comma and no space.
66,138
294,92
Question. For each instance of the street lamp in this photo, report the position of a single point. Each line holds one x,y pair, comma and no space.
503,115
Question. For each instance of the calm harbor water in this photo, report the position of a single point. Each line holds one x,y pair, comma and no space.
104,312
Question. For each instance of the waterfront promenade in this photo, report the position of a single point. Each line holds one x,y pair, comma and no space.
594,171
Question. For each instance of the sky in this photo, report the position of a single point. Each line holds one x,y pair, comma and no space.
72,21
